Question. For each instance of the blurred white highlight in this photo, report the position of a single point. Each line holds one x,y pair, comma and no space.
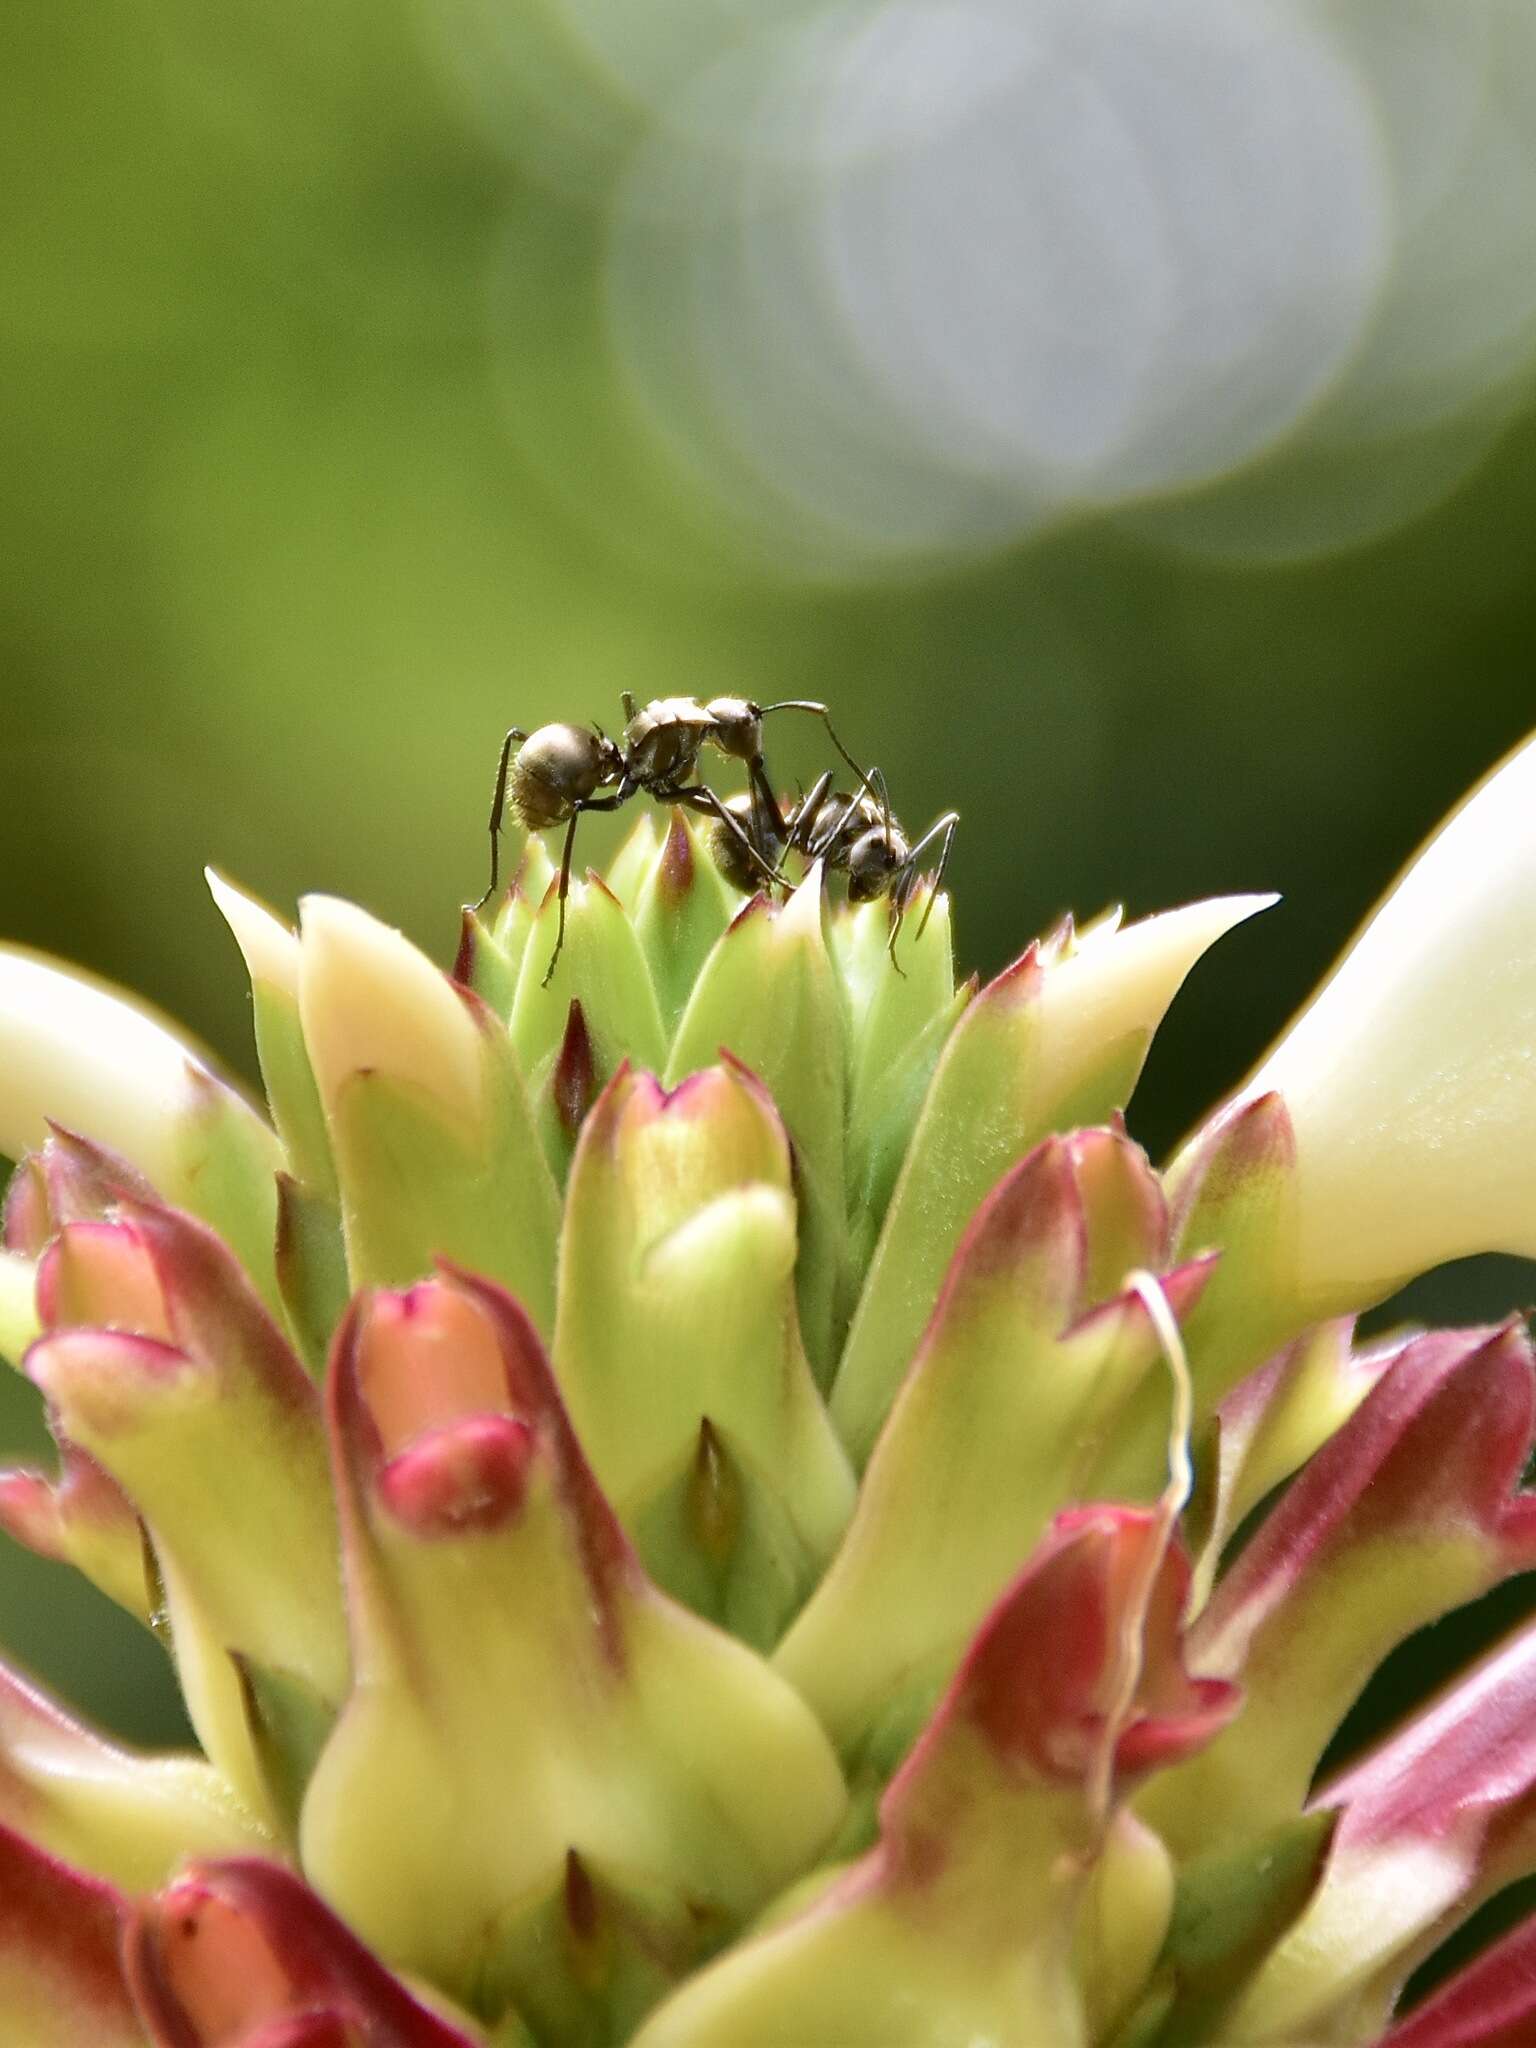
906,278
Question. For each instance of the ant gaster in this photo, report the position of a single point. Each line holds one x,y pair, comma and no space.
559,771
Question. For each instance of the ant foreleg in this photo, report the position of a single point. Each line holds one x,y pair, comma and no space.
941,827
498,809
565,890
909,874
610,803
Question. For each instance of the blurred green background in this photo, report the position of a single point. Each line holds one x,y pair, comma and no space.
334,443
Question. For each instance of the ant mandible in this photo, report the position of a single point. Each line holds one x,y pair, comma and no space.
559,770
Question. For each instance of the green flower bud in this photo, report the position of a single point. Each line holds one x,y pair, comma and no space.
677,1346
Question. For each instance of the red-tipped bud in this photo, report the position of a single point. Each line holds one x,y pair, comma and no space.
444,1401
241,1954
471,1475
67,1180
1042,1677
101,1275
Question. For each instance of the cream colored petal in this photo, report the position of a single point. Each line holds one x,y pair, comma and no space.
75,1051
1411,1077
370,1001
271,950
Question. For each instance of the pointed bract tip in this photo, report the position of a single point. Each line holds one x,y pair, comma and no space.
74,1180
755,908
580,1897
1182,1287
470,930
675,866
714,1496
573,1079
1247,1142
1019,982
1031,1223
269,947
1434,1448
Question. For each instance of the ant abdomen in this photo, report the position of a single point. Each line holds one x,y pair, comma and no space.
742,849
555,770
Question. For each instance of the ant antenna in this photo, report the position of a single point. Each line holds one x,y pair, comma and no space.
821,711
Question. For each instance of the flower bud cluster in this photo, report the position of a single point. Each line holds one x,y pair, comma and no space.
714,1496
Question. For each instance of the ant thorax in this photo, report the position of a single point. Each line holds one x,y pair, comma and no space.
662,741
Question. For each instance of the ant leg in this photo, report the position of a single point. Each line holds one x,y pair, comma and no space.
881,795
804,837
821,712
626,698
591,804
767,818
498,807
565,890
942,829
890,944
947,825
699,797
770,834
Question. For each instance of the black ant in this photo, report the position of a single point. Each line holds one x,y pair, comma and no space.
559,770
857,836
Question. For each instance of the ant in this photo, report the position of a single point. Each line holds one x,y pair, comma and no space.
856,835
558,771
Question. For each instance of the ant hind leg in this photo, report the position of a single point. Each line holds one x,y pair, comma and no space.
498,810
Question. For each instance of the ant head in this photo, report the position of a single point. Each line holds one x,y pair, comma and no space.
736,727
873,859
